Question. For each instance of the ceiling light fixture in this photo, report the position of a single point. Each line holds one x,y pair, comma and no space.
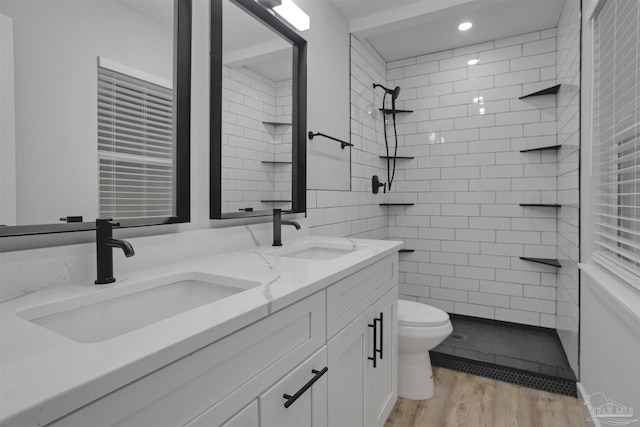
465,26
473,61
293,14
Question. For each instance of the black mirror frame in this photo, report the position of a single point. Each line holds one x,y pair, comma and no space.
299,112
182,82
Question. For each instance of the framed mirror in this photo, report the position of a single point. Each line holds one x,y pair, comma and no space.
95,114
258,112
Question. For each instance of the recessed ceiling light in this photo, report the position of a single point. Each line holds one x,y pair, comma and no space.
473,61
465,26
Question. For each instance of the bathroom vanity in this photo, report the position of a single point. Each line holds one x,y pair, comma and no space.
314,320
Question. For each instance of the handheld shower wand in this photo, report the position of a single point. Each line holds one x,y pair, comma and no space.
394,95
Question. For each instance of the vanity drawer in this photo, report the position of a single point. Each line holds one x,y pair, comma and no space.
351,296
309,409
179,392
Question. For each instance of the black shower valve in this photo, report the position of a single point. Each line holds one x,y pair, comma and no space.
376,184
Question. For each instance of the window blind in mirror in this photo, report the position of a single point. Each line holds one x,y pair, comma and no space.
135,147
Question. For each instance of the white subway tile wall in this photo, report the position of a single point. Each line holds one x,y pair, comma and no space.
251,103
568,185
469,177
358,213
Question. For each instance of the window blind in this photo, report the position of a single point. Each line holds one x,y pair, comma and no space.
616,138
135,147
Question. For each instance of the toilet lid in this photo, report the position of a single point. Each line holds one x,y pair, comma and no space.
415,314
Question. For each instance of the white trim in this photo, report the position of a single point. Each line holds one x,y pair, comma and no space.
582,394
593,9
592,46
625,275
134,72
620,297
8,182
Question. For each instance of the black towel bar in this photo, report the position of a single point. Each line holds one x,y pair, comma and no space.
342,143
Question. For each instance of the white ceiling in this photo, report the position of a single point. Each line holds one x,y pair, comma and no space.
400,29
160,11
248,42
359,8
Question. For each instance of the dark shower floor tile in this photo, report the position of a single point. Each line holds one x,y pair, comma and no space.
526,348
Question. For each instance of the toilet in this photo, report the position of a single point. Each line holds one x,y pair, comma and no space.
420,329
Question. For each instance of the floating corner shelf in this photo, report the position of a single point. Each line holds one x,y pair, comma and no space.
390,111
548,91
545,261
277,123
406,251
275,201
397,157
541,205
276,162
397,204
549,147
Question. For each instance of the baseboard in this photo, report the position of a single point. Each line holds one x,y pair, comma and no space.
581,395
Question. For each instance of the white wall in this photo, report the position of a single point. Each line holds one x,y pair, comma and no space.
7,127
357,212
610,341
469,177
56,50
328,166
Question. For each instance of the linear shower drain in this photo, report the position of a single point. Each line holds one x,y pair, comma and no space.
503,373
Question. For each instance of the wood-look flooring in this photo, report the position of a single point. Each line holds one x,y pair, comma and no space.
462,400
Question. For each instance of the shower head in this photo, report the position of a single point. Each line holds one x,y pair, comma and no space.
393,92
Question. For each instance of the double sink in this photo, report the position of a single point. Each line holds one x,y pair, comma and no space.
115,311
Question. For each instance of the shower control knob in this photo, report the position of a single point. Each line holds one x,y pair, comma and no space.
376,184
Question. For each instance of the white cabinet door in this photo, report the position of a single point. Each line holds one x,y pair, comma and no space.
347,356
305,404
361,395
247,417
380,383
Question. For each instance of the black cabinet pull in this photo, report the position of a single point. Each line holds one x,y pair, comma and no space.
375,342
381,334
291,399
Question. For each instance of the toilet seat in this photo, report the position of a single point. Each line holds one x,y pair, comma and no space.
415,314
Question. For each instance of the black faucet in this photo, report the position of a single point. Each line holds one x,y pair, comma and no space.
104,252
277,226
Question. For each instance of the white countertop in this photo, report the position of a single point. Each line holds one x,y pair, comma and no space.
44,376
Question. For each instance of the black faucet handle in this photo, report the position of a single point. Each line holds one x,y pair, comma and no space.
104,222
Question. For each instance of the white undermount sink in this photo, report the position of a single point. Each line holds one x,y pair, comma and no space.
107,314
316,251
